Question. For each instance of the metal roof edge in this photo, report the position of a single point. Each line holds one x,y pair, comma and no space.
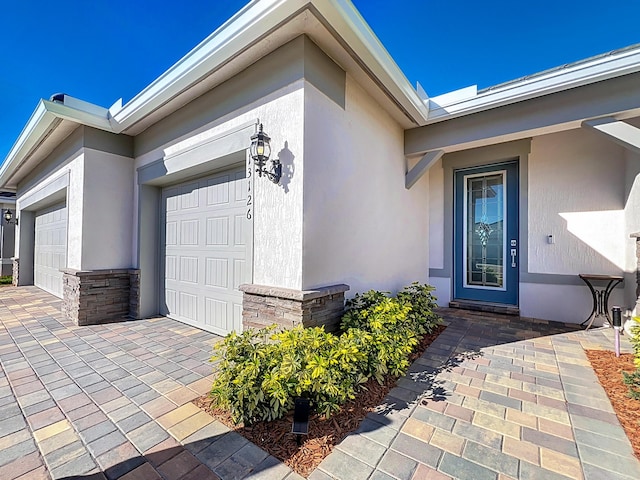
45,118
250,24
599,68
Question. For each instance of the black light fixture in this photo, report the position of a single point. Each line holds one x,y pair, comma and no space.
617,326
260,151
8,217
301,411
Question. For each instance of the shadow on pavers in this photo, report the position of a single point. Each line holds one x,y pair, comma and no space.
227,455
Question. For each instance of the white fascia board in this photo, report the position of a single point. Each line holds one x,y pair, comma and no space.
354,30
244,28
252,23
38,126
599,69
97,117
43,120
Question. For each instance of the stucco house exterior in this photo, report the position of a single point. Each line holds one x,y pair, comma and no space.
499,197
7,232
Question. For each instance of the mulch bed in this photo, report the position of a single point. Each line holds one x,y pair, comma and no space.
324,434
609,370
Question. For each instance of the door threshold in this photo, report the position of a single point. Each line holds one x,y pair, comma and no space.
485,307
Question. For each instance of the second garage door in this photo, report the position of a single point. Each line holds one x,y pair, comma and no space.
50,248
207,241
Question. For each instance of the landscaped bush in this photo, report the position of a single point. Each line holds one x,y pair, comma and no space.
633,379
262,371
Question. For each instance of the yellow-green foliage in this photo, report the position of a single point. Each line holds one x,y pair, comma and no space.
262,371
633,379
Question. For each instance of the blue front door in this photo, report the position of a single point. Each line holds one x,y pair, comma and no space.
486,234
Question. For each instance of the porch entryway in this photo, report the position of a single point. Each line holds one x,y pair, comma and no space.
486,234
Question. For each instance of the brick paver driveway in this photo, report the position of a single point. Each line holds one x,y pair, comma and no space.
111,400
494,397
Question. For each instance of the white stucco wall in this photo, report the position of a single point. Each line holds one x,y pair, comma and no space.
73,166
108,206
632,220
436,215
277,256
576,193
361,226
584,190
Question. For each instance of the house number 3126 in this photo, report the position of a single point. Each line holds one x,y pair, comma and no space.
249,194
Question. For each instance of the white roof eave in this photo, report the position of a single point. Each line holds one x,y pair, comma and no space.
43,120
254,22
602,68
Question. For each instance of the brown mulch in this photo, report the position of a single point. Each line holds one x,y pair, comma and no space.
276,438
609,370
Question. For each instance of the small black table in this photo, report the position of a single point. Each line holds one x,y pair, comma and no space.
600,295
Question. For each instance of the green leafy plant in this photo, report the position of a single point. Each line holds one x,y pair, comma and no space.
423,303
6,280
260,372
632,380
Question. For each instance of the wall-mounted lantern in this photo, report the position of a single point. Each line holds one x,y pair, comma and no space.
8,217
260,151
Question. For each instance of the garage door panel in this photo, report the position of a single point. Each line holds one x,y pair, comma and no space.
217,272
217,191
216,314
50,248
217,231
204,262
239,227
239,269
189,269
189,196
240,191
189,232
188,306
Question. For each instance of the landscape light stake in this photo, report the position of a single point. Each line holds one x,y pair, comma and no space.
301,412
617,326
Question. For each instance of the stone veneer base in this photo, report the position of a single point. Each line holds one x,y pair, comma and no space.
100,296
263,306
16,270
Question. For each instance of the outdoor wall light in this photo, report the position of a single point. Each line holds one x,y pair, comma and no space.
8,217
260,151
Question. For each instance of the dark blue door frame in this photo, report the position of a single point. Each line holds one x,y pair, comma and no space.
486,241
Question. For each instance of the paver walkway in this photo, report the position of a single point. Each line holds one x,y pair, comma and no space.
493,397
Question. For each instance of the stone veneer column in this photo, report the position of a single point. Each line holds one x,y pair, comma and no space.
263,306
100,296
16,271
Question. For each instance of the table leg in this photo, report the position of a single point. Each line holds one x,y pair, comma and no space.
594,311
612,284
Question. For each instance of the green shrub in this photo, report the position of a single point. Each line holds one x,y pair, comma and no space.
262,371
6,280
422,303
632,380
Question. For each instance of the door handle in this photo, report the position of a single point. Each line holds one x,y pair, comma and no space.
514,253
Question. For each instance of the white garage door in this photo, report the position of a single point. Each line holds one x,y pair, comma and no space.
50,249
206,252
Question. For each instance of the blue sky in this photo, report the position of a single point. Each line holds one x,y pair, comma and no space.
102,50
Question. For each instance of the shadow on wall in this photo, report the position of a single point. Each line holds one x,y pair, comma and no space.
286,157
